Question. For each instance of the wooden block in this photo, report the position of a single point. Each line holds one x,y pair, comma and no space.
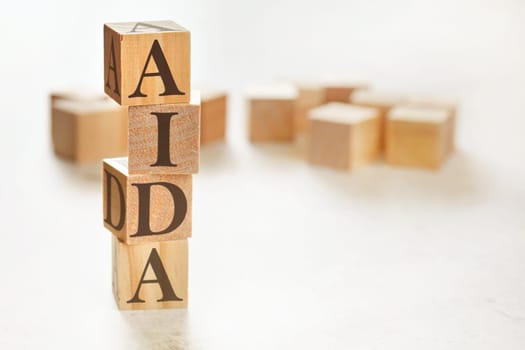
440,103
382,101
213,116
164,139
417,137
341,91
152,275
88,130
308,96
77,94
147,62
343,136
145,208
271,113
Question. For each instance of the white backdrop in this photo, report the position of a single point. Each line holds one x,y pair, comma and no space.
284,255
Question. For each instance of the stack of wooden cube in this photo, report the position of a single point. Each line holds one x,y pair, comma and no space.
148,195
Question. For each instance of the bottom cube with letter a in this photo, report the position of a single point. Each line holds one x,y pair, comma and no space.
151,275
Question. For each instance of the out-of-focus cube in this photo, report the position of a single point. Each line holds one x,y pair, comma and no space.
343,136
147,62
309,95
77,94
86,130
382,101
213,116
340,91
271,113
441,103
418,137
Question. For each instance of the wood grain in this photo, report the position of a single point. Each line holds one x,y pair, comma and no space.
131,51
162,207
184,138
130,267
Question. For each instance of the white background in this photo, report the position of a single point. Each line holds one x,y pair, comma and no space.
284,255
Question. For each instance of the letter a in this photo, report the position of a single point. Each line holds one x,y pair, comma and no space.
170,88
168,294
144,194
112,66
118,226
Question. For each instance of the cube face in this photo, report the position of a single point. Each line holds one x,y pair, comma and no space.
330,144
340,93
86,131
151,275
145,208
344,136
365,142
439,103
164,139
307,98
63,133
416,144
147,63
213,118
271,120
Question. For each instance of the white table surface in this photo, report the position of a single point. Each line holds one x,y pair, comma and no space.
283,255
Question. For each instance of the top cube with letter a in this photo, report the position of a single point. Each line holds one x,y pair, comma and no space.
147,62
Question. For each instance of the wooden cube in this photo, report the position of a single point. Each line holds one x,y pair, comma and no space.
152,275
145,208
418,137
309,96
88,130
77,94
213,116
440,103
164,139
147,62
340,91
271,113
343,136
382,101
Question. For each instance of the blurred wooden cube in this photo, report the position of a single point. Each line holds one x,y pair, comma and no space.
340,91
145,208
440,103
152,275
147,62
77,94
308,96
382,101
271,113
164,139
86,130
418,137
213,116
343,136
